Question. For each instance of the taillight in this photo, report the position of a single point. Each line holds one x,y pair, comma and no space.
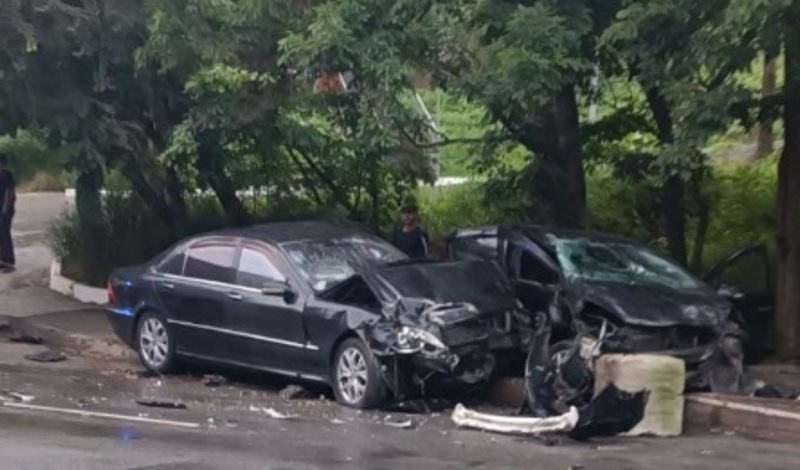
112,298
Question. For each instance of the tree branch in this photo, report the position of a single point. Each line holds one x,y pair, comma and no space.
446,141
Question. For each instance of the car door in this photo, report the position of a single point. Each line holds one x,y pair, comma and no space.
536,278
270,323
745,279
196,299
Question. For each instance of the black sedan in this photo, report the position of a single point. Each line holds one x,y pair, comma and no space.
317,302
619,296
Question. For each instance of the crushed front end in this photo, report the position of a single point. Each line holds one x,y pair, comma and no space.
561,375
426,342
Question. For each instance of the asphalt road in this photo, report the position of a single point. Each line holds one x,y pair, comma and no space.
31,441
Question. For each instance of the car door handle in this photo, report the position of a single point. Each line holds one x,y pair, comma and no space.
167,286
235,296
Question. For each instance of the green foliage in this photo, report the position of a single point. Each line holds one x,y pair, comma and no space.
29,155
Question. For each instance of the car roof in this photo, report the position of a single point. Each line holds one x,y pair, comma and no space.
540,233
285,232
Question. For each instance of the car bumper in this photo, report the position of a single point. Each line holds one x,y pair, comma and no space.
122,322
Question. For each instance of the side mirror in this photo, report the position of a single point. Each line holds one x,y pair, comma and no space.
279,290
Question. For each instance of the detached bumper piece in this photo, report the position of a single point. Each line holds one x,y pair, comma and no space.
611,412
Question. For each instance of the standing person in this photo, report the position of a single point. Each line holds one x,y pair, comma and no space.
8,199
409,237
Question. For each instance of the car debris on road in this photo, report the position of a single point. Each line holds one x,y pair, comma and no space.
47,356
7,395
213,380
161,403
609,413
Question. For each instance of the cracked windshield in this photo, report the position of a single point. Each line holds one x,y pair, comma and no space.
326,264
624,263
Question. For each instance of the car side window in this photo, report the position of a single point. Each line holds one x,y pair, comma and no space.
173,264
256,270
484,247
211,262
533,269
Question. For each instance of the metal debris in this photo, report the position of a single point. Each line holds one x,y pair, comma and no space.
25,337
7,395
47,356
295,392
213,380
406,424
275,414
158,403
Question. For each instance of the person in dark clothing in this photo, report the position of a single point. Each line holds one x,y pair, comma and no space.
409,237
8,199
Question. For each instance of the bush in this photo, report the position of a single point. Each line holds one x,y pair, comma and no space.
124,234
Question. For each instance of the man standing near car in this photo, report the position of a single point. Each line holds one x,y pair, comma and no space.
8,199
409,237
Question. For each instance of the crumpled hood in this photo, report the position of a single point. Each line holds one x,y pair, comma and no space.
648,306
480,283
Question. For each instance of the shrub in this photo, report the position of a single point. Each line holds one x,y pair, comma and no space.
127,233
124,234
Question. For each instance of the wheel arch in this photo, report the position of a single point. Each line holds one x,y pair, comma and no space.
344,336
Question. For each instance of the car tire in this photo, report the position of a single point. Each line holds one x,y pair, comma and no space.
357,381
547,399
155,343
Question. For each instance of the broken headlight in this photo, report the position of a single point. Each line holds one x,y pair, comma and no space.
411,340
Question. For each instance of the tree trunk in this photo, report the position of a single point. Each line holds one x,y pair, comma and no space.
673,192
570,153
88,202
172,216
211,169
769,83
788,286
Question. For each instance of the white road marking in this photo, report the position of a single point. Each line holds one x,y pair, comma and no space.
97,414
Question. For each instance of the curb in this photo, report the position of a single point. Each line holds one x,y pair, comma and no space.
767,419
75,290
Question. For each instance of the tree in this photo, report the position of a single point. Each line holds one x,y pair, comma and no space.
527,63
684,55
788,242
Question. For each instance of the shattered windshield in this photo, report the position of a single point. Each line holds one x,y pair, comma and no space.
325,264
618,262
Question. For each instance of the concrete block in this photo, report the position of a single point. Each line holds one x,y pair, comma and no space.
663,376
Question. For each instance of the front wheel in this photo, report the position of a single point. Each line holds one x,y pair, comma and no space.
357,381
155,344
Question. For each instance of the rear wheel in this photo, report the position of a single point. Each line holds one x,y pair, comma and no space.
357,380
154,343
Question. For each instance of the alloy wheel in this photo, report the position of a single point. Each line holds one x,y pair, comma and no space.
351,373
154,342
